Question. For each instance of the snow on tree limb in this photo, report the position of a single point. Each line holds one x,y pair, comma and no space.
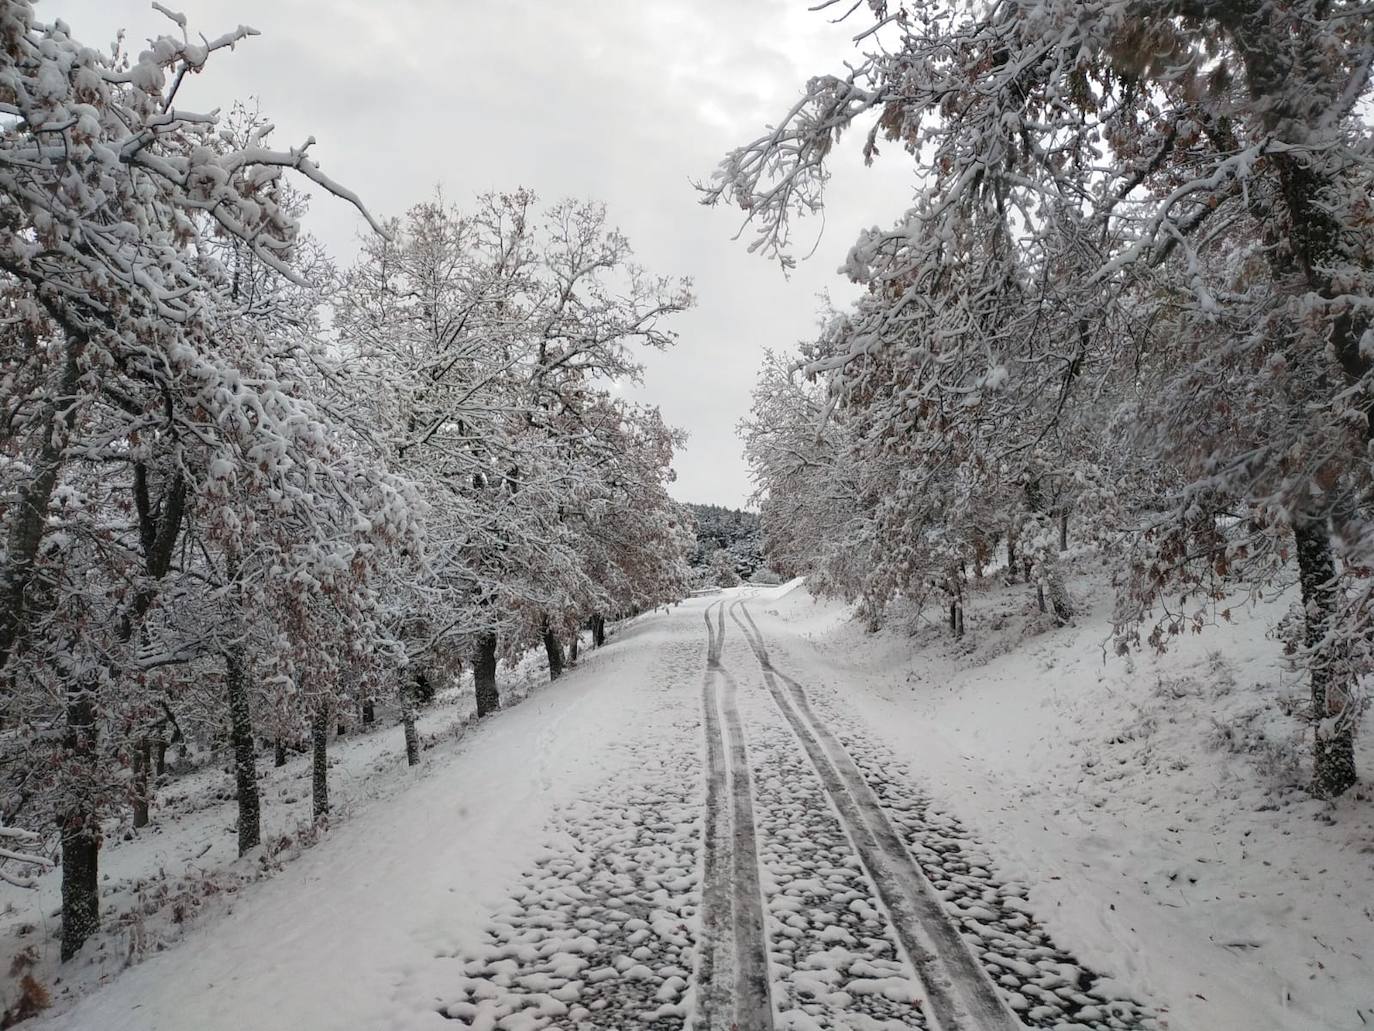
1141,257
30,864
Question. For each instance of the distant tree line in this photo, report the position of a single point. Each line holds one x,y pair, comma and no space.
729,544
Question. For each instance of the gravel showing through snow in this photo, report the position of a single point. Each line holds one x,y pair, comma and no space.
761,862
602,931
1045,985
836,961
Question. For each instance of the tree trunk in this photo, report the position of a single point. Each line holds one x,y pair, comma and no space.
80,826
484,676
598,630
572,648
1334,768
369,712
1011,554
161,764
29,510
143,760
278,753
1059,600
956,607
245,755
408,723
1040,597
80,888
553,647
424,687
1064,530
319,762
1312,243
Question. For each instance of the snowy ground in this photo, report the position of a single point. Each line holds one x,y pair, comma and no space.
747,812
1153,807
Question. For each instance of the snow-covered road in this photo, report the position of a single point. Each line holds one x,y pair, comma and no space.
684,832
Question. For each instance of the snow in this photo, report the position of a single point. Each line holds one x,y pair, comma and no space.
1116,840
358,931
1152,806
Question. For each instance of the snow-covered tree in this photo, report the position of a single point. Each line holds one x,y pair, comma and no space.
1164,188
122,380
810,494
495,336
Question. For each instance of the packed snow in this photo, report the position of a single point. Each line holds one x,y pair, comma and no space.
543,867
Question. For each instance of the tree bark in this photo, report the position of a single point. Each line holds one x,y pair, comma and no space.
143,760
245,755
30,509
572,648
1064,530
1059,595
1011,554
598,630
484,676
956,606
278,753
369,712
408,723
80,825
1334,767
553,647
319,762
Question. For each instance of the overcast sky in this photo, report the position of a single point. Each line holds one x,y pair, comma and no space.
622,101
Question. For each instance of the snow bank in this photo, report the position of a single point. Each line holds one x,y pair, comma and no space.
358,932
1153,804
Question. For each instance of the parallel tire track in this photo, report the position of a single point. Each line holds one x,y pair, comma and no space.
732,975
1045,985
716,958
959,994
836,963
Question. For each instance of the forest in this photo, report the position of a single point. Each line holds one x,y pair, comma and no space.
259,499
250,495
1130,308
728,546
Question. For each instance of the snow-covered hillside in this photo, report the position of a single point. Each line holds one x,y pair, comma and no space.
1135,826
1156,806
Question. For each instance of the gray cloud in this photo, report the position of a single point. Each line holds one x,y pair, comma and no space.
624,101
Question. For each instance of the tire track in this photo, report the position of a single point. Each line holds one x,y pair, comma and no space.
1045,985
715,963
959,994
836,963
732,974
